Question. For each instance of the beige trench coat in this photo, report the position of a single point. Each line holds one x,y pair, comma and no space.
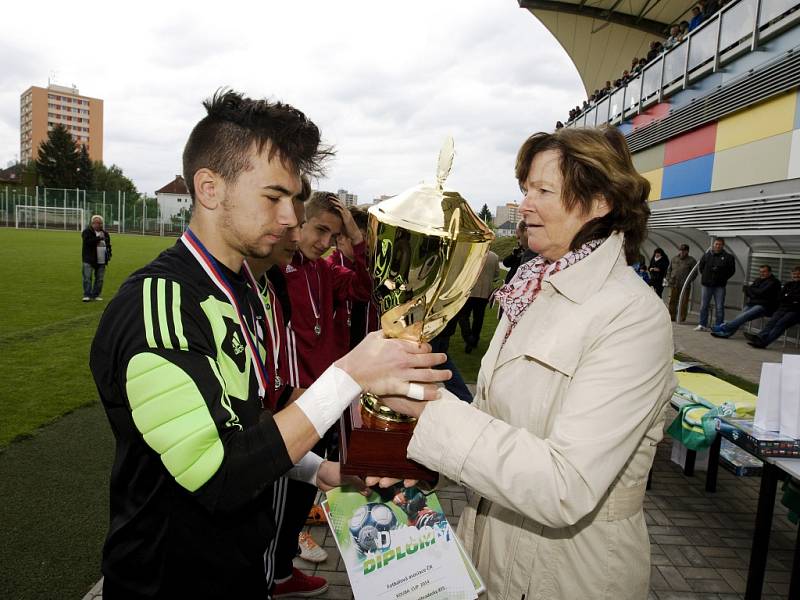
561,436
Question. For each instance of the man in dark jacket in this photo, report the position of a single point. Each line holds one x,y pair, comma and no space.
96,253
716,268
788,314
680,267
763,296
519,255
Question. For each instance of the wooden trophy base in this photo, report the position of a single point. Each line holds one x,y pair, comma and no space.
369,446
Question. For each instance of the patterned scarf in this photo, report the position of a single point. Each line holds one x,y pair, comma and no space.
519,293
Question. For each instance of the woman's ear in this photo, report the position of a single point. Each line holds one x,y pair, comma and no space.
600,206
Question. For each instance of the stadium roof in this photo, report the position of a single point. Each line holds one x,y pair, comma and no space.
603,36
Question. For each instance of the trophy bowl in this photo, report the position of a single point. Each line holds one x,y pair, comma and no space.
426,248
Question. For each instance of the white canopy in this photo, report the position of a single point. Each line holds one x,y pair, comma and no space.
603,36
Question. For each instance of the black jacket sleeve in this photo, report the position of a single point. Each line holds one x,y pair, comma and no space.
175,399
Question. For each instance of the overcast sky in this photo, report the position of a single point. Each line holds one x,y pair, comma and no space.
385,82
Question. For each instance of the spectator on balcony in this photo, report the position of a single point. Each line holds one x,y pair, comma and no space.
626,77
684,25
674,37
655,49
709,8
763,297
788,314
697,18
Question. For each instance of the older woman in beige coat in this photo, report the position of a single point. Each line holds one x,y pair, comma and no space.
571,393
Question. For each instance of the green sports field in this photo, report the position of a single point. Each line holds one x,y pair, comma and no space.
45,329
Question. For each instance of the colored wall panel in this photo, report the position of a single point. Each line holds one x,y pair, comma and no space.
797,112
688,177
794,156
756,162
649,159
761,121
651,114
625,128
690,145
655,178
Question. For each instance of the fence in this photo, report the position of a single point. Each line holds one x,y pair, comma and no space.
69,209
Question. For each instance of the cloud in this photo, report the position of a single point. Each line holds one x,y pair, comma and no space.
385,83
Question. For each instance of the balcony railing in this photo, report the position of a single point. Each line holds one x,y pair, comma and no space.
737,28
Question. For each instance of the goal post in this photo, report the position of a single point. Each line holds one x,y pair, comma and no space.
29,216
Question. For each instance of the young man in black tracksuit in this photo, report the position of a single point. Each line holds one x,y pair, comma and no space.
179,362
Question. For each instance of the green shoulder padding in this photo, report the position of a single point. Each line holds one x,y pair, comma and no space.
171,414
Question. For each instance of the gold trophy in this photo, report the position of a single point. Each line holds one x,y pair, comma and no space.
426,248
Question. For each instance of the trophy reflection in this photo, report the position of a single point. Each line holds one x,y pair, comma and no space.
426,248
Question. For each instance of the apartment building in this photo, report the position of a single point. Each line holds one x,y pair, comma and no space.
42,108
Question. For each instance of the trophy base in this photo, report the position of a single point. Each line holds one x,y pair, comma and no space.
372,445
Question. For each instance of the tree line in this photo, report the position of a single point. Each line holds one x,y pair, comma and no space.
62,163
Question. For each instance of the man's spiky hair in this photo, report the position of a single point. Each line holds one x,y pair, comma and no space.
222,141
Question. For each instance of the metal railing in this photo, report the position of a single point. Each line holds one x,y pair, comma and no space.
50,208
737,28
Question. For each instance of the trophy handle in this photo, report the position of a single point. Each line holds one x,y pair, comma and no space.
373,406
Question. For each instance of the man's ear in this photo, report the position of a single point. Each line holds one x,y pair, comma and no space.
209,189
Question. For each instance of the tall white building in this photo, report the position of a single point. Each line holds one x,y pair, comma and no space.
509,212
347,198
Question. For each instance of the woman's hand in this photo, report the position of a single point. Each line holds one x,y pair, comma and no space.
405,405
385,482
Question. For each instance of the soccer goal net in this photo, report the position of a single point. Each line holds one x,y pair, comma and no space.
48,217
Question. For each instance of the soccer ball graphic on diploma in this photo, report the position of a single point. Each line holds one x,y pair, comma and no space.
370,526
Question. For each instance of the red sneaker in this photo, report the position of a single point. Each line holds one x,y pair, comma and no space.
300,584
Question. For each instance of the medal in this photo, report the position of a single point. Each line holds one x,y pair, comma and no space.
348,304
266,295
314,306
217,276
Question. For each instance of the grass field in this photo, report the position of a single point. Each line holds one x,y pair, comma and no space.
45,329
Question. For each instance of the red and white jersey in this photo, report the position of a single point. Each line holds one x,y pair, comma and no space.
315,287
342,311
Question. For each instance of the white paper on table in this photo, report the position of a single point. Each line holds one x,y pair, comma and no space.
790,396
768,407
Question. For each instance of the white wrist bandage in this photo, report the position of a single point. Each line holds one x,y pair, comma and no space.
326,399
306,470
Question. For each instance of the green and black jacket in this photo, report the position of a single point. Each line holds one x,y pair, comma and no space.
192,484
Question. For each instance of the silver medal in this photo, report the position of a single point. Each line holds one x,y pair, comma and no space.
278,382
317,329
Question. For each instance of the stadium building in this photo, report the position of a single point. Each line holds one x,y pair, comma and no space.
713,121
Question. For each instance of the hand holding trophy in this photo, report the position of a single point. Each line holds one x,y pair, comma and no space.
426,248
